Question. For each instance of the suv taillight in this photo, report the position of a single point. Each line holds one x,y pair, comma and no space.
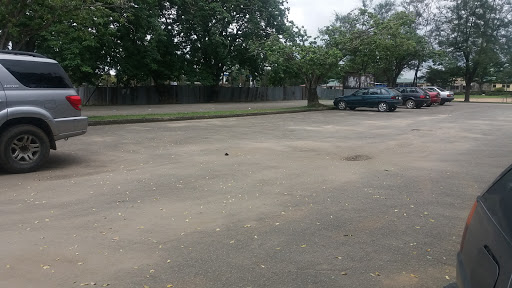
75,101
468,221
393,97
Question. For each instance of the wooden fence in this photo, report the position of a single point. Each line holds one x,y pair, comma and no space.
171,94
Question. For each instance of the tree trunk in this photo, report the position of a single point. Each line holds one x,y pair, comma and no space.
312,95
415,81
467,90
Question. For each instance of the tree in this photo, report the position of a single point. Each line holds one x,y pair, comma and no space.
83,44
441,77
382,45
472,31
217,36
302,59
397,44
423,12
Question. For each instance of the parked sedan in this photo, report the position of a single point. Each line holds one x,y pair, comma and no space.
484,259
413,97
384,99
435,98
446,96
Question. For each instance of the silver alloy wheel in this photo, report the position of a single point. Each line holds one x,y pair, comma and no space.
342,105
25,149
410,104
383,106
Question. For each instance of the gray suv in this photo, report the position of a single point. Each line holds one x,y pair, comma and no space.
38,106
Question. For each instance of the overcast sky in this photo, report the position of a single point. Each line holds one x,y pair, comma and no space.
315,14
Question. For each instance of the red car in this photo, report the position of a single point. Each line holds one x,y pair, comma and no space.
435,97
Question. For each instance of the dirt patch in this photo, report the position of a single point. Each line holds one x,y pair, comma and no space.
358,157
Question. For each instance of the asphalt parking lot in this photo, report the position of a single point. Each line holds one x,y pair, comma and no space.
317,199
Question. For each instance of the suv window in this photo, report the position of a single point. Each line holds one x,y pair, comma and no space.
37,74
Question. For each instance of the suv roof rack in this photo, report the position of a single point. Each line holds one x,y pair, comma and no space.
22,53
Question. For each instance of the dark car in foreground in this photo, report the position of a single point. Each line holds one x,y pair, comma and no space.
384,99
414,97
485,256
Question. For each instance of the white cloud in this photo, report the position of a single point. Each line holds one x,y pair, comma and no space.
314,15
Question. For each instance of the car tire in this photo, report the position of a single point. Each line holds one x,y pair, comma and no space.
410,103
429,104
342,105
383,107
23,149
441,103
392,109
352,108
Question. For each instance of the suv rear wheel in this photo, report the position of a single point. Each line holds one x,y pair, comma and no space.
23,149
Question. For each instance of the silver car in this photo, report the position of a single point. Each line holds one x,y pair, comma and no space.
446,96
38,106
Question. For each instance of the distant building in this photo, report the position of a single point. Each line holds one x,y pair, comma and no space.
460,85
333,84
408,82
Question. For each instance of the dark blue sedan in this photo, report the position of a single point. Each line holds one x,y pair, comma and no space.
384,99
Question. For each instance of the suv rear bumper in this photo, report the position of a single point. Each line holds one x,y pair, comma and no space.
70,127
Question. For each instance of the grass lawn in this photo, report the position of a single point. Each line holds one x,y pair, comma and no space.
201,114
482,96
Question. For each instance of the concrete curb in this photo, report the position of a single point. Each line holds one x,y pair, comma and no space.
185,118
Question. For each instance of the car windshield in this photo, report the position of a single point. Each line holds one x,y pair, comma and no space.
441,89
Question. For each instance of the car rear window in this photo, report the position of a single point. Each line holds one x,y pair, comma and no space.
394,91
37,74
498,200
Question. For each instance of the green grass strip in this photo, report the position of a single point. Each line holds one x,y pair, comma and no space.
482,96
199,114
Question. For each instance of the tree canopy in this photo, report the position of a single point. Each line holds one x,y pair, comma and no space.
188,41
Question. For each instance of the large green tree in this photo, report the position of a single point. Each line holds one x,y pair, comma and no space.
383,45
472,31
301,59
217,36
